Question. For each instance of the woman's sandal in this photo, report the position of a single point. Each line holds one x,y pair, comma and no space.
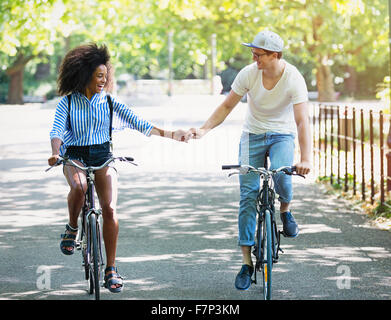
68,240
113,278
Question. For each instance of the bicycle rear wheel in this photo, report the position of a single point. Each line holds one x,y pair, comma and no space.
95,257
267,255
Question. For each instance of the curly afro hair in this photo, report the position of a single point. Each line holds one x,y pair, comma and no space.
78,66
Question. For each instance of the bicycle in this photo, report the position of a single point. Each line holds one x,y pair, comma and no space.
268,236
89,240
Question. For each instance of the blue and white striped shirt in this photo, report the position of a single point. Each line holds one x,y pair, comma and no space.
90,120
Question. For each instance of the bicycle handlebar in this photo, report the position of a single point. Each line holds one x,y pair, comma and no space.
234,166
245,169
64,161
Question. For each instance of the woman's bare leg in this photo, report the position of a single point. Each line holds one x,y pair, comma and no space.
106,187
78,185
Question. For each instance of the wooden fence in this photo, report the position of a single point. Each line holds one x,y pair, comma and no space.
350,150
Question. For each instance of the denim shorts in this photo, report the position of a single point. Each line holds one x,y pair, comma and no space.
252,151
94,155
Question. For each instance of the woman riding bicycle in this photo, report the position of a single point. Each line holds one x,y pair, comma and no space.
81,132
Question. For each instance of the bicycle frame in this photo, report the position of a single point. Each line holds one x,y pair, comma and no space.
265,201
90,239
88,209
266,251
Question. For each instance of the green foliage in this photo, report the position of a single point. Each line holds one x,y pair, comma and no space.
335,32
383,210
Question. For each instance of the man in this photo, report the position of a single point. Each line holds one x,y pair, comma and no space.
277,108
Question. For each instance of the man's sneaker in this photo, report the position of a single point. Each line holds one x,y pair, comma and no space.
243,278
290,227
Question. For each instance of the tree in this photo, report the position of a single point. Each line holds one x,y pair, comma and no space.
348,32
30,30
27,31
323,34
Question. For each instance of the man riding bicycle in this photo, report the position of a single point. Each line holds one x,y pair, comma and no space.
277,100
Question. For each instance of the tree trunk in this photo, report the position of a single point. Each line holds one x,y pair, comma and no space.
324,77
15,87
15,72
43,71
324,80
350,83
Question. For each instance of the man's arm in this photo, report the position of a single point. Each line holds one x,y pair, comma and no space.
304,136
218,116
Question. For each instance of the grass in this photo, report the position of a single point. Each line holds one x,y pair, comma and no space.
378,212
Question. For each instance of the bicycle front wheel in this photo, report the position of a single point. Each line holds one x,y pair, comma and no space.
267,256
95,254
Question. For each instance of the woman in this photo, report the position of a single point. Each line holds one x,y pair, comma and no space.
81,132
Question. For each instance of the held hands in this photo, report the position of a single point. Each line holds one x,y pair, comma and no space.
185,136
179,135
194,133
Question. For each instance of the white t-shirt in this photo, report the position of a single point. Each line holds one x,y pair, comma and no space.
270,110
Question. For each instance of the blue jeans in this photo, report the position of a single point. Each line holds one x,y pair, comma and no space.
252,151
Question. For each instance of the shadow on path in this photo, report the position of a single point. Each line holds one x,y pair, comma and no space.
178,240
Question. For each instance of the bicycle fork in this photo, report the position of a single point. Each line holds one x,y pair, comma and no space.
96,212
276,240
88,209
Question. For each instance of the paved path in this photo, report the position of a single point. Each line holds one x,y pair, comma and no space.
178,212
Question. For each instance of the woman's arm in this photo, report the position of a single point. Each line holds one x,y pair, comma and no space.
59,124
178,135
130,119
55,144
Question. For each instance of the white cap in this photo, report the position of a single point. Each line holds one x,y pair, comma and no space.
267,40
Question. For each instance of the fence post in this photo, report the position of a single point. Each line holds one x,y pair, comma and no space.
354,151
314,133
332,145
381,159
388,155
346,149
339,147
362,156
325,139
320,138
371,148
